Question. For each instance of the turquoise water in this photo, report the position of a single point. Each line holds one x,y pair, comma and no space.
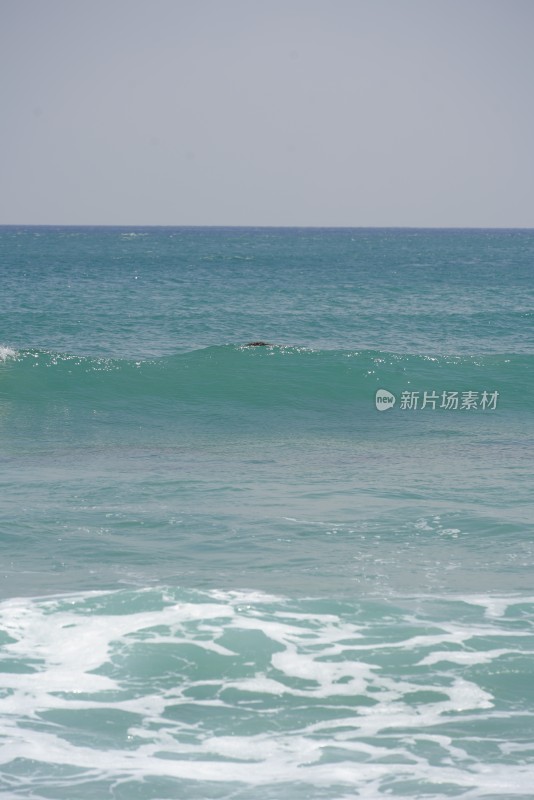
225,573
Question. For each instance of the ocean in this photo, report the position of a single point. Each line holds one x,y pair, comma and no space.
294,571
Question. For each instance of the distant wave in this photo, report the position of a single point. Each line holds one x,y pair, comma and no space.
261,377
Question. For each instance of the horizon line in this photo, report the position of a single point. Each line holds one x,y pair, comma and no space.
270,227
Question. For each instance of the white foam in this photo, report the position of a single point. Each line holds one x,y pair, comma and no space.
496,606
6,352
308,663
462,657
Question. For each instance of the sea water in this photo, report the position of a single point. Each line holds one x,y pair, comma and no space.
237,572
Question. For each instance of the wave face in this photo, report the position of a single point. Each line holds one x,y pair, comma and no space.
235,572
273,377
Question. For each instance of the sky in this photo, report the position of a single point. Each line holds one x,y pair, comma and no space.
356,113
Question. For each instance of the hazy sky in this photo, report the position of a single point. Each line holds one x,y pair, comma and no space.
267,112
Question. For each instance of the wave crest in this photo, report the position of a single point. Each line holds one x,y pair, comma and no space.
6,352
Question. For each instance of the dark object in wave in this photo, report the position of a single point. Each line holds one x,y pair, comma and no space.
258,344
